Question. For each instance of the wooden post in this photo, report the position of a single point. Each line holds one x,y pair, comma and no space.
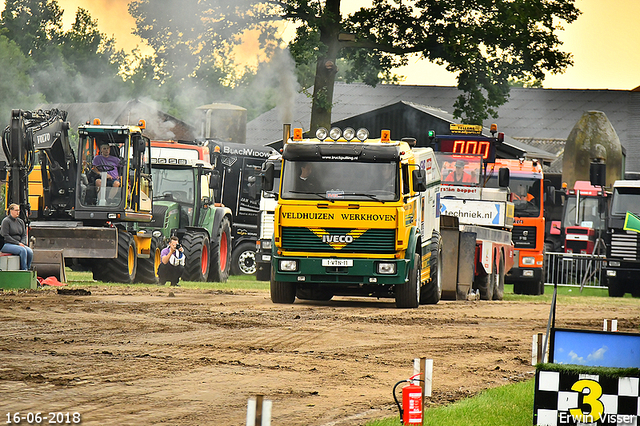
258,411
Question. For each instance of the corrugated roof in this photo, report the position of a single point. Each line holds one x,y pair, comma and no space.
529,112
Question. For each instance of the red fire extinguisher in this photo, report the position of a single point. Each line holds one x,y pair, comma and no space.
411,410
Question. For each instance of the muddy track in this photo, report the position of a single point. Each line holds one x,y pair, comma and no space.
154,355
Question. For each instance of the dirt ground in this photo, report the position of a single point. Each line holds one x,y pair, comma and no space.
156,355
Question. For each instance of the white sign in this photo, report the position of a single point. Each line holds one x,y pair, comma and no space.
474,212
337,262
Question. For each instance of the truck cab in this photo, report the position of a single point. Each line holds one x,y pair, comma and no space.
623,244
356,216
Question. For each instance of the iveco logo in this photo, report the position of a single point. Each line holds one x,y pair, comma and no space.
345,239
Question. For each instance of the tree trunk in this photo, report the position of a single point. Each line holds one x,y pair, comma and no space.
326,68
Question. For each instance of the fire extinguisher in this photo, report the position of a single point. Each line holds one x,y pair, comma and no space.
411,410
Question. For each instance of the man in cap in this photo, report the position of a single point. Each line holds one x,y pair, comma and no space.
459,175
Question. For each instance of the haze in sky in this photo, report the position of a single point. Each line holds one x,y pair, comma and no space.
604,41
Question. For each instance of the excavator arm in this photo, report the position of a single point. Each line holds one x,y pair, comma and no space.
41,135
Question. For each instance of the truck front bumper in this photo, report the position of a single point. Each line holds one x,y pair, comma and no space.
518,274
343,271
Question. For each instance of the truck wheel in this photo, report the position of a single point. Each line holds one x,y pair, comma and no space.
196,250
431,293
281,291
123,268
498,290
485,284
616,288
243,259
221,253
408,295
148,268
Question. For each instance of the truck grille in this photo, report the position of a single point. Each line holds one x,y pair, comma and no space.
370,241
266,224
624,246
524,237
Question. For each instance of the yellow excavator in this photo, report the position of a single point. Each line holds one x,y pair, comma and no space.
64,196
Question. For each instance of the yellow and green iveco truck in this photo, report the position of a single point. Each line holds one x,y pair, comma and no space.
356,216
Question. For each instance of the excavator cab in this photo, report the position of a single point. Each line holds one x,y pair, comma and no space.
114,174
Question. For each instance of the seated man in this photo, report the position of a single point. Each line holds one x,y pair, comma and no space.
105,162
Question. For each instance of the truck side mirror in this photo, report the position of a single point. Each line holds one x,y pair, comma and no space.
3,170
214,180
419,180
503,177
267,177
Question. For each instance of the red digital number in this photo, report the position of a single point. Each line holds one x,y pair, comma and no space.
472,147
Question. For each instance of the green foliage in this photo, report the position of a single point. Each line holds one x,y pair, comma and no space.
79,65
15,82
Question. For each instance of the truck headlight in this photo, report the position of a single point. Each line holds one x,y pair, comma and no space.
528,260
288,265
387,268
614,263
266,244
527,273
611,273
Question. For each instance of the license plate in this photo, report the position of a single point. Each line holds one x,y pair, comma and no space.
337,262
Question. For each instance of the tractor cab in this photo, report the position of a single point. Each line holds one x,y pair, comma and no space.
114,173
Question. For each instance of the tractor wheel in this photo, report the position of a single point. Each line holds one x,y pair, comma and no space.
408,295
196,250
123,268
243,259
221,253
148,267
281,291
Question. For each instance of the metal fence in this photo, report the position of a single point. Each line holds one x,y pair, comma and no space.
574,269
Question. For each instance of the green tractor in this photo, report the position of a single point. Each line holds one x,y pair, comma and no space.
183,185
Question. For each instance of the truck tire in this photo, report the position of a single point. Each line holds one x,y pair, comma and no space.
148,268
123,268
196,250
221,253
431,292
243,259
615,287
408,295
281,291
498,290
485,284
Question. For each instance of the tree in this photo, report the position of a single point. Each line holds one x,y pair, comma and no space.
15,83
32,24
486,42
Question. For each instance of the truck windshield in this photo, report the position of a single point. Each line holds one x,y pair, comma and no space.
337,180
173,184
625,200
525,194
459,169
588,215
